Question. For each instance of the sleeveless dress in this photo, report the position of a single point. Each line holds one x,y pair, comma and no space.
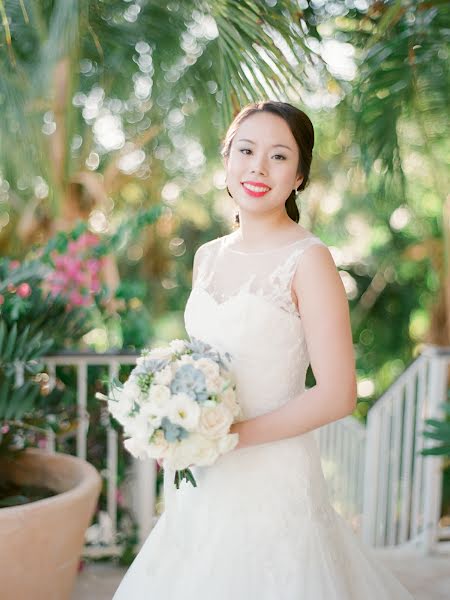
259,525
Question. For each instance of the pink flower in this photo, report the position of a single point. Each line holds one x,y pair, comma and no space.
11,288
78,299
73,247
93,265
14,264
88,239
24,290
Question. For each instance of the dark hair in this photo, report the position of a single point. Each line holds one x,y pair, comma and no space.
303,131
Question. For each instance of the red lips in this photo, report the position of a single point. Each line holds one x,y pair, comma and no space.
252,192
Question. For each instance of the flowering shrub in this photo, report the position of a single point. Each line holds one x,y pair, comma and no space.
76,273
44,306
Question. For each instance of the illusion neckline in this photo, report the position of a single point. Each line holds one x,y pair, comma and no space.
252,252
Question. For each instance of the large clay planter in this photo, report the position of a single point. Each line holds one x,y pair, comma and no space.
41,542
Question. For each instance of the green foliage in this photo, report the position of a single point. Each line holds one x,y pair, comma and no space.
438,430
403,77
19,351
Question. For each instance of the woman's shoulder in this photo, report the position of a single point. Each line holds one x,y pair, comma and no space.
209,245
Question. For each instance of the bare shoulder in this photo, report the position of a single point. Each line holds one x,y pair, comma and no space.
316,282
315,256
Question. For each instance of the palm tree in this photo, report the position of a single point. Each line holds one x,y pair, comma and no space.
399,103
69,70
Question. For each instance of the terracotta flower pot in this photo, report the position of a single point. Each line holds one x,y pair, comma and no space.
41,542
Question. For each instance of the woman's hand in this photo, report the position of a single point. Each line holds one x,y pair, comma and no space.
235,428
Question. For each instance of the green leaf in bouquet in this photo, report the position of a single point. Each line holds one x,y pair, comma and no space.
189,477
184,474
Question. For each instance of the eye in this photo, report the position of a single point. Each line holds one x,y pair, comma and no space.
245,150
280,155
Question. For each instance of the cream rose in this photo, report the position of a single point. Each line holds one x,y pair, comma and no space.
208,367
228,398
227,443
159,446
215,421
194,450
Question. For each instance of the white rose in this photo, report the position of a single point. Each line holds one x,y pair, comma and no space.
161,352
136,447
163,377
139,427
227,443
179,455
184,411
195,449
158,399
159,447
215,421
178,346
131,390
205,450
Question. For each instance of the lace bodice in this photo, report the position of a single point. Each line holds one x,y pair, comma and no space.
242,303
225,272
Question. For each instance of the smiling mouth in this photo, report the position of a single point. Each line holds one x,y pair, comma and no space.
255,190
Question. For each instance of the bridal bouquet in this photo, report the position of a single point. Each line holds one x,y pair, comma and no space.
177,406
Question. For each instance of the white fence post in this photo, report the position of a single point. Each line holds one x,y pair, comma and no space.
145,496
371,476
437,395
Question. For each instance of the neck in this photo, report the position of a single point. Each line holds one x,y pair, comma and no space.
254,229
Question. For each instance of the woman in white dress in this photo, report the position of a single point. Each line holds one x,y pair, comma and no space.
259,525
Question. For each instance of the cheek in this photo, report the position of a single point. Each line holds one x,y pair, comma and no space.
234,164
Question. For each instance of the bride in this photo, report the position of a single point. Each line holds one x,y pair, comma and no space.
259,525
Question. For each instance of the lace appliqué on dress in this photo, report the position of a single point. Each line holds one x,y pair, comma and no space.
272,283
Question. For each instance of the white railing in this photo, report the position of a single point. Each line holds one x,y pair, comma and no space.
343,448
388,492
377,478
403,489
144,472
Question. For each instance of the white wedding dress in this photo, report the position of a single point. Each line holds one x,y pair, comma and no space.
259,524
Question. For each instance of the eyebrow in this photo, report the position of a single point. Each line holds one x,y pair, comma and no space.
274,145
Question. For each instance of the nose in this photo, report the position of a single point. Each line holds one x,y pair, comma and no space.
259,164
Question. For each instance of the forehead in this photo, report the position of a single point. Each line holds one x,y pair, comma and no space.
264,125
